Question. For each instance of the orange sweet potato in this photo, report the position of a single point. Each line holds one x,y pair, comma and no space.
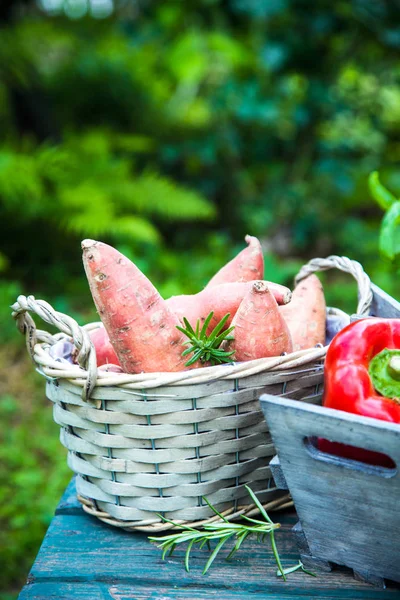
220,299
248,265
141,326
260,330
105,353
306,314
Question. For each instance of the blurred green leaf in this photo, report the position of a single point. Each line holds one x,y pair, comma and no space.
187,58
389,239
160,196
136,229
3,262
379,193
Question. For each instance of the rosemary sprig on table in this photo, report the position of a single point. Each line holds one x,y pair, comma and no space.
222,531
206,348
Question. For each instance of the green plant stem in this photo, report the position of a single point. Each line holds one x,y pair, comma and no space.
276,554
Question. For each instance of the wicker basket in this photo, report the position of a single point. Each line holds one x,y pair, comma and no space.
156,443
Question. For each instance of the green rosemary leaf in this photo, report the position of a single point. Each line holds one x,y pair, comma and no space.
240,539
289,570
183,537
224,336
297,567
223,527
215,552
224,359
276,554
204,542
215,510
194,358
187,351
222,353
189,327
188,554
206,323
306,571
172,535
256,521
218,327
167,548
188,343
190,335
190,362
258,504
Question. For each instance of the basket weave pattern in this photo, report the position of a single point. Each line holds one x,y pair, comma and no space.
155,444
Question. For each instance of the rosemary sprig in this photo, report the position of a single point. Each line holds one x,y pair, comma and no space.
206,348
222,531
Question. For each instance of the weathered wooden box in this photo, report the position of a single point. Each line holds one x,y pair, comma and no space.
349,512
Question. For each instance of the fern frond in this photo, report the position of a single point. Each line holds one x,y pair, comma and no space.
154,194
136,229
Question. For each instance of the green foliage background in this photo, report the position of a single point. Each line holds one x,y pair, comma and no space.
170,130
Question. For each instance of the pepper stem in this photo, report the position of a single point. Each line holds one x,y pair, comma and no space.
394,367
384,370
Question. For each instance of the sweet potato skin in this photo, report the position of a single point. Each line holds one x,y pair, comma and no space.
260,330
105,353
248,265
140,325
221,299
306,314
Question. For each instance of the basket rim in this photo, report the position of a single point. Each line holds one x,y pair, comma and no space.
300,361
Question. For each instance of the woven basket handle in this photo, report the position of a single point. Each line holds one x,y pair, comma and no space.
86,355
346,265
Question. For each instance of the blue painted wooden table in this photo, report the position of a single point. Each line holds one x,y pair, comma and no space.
82,558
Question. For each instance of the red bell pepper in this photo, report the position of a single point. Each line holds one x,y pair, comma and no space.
362,376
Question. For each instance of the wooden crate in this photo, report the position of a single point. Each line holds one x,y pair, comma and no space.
348,511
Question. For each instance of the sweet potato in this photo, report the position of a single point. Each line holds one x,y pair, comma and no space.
248,265
220,299
105,353
260,330
141,326
306,314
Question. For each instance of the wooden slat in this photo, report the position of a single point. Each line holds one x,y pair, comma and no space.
123,591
